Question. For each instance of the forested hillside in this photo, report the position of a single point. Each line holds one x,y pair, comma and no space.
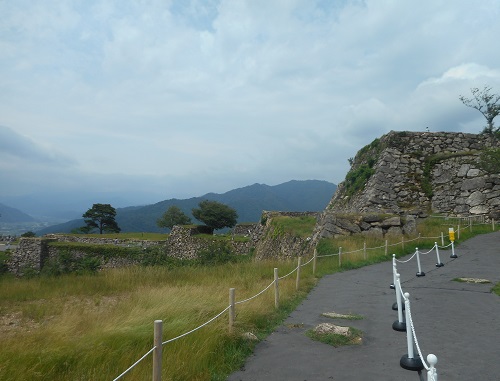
249,202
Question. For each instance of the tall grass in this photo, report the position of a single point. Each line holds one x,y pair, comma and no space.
93,327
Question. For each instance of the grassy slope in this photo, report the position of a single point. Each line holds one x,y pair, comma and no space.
94,327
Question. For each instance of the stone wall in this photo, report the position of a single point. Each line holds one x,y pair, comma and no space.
270,242
414,173
405,161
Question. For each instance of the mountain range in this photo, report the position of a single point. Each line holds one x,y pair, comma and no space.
249,202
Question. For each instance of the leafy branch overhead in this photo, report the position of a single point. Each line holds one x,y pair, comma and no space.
487,104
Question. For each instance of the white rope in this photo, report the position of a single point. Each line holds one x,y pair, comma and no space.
246,300
197,328
350,252
408,260
415,337
427,252
327,255
309,261
137,362
290,273
444,247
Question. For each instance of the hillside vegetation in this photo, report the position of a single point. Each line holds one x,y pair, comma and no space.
93,327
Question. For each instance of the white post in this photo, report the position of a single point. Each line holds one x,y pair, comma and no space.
364,250
458,231
432,372
157,353
453,255
442,239
409,334
493,224
340,256
276,289
439,263
314,261
394,271
297,282
232,313
399,325
420,273
385,247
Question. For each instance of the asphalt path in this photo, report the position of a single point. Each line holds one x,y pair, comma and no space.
457,322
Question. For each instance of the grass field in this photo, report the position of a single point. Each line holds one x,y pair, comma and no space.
93,327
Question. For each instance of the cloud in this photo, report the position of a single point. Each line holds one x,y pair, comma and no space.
196,96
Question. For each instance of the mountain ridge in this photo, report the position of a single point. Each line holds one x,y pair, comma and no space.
249,202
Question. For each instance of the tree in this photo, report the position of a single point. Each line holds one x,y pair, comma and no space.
102,217
215,214
487,104
489,160
173,216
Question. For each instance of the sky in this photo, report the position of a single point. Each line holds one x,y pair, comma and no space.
142,101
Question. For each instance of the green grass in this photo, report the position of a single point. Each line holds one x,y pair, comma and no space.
93,327
336,340
496,289
302,226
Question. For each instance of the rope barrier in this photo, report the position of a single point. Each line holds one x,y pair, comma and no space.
408,260
195,329
137,362
290,273
253,297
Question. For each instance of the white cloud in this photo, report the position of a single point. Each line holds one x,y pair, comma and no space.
212,95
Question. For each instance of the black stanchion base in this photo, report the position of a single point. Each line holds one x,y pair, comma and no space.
392,287
414,364
439,264
453,256
399,326
421,274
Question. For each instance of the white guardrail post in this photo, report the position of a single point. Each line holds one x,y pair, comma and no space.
439,263
157,353
400,324
408,361
420,272
432,372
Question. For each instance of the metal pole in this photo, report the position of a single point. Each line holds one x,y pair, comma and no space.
157,353
442,239
453,255
399,325
385,247
340,256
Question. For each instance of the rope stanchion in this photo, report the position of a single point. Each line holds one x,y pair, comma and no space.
439,263
157,354
420,272
408,361
400,324
297,281
453,255
197,328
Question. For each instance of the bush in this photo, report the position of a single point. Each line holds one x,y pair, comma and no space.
217,253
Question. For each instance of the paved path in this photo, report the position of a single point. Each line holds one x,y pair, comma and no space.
458,322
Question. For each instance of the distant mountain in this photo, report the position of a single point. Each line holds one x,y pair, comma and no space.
249,202
13,215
